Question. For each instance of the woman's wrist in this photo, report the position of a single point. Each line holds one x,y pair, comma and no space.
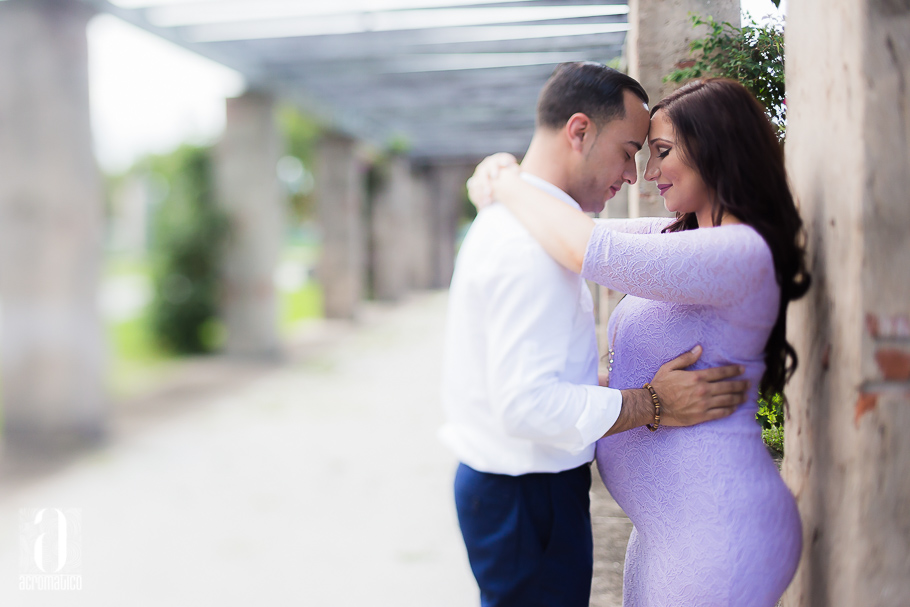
505,184
481,184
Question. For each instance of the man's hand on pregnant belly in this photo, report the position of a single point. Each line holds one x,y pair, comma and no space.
692,397
686,397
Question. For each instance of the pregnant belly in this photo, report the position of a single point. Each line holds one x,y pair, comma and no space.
712,516
666,477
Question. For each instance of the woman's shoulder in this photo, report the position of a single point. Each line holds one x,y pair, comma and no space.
747,240
748,256
739,243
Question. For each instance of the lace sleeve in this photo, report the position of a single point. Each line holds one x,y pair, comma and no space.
639,225
718,266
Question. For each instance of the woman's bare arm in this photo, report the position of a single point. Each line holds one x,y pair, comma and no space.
561,230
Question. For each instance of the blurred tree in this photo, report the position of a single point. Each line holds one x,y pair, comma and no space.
188,241
301,134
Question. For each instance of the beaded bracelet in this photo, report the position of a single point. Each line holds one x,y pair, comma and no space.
656,402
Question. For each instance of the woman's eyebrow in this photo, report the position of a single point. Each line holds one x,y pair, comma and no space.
660,139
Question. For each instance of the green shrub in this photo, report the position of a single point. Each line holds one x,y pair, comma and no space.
187,245
771,418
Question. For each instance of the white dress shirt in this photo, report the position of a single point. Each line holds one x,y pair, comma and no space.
520,373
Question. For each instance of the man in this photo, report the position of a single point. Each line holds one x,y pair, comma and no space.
521,392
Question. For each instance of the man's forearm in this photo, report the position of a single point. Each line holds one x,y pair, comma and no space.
637,410
686,397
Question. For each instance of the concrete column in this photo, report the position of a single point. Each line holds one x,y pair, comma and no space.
449,195
421,240
390,229
659,35
439,193
52,355
847,452
618,206
249,190
340,191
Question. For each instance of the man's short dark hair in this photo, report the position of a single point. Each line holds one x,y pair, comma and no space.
587,87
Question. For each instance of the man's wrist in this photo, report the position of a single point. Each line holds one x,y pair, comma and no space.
637,410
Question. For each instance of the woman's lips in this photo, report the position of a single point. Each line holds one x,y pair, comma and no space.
663,188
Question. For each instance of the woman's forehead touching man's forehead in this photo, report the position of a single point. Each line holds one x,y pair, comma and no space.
633,127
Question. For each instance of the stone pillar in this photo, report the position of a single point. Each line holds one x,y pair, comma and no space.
420,242
52,355
847,452
659,35
341,192
449,196
390,229
249,190
439,193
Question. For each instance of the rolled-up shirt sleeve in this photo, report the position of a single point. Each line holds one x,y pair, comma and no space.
531,311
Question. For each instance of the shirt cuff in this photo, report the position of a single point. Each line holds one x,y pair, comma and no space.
600,413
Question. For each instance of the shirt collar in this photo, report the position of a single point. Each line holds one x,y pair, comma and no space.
551,189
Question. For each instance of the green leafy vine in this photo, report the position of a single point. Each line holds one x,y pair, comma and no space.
752,54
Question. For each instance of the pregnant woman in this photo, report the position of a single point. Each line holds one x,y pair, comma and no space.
714,524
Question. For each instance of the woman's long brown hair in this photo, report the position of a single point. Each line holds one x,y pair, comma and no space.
728,139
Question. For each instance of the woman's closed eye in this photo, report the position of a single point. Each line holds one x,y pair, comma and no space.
664,153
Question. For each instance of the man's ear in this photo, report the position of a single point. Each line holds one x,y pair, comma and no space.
579,131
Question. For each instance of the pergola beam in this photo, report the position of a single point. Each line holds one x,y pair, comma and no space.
485,39
437,74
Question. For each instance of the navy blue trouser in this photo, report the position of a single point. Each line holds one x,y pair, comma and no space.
528,537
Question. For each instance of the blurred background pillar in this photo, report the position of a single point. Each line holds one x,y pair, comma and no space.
448,194
847,453
658,40
249,190
341,192
52,355
420,241
439,198
390,227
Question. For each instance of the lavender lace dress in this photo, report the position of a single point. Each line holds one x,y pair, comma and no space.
714,524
